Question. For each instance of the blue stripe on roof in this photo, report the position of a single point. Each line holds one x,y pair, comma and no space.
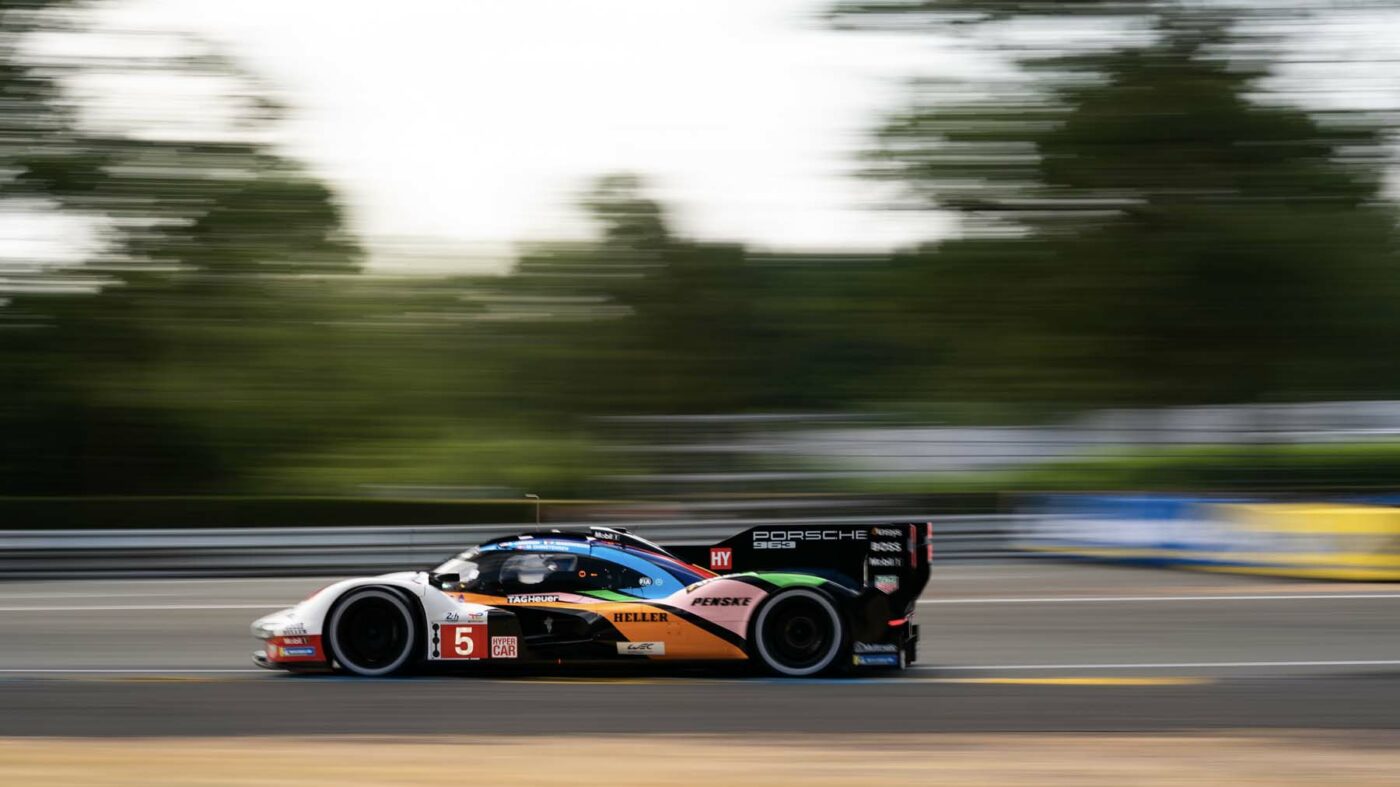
539,545
663,582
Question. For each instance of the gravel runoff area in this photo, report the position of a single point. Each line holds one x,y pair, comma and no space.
1243,758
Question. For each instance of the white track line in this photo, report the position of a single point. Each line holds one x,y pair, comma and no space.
139,671
144,607
1175,665
273,605
1134,599
951,668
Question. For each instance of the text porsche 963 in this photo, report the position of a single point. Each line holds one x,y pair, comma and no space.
794,601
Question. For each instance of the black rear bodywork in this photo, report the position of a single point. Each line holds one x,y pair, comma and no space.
882,570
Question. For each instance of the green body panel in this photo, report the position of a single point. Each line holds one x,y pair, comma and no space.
610,595
784,580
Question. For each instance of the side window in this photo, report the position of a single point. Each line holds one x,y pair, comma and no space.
544,572
604,575
508,573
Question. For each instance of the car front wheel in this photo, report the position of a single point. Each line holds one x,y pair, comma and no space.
373,632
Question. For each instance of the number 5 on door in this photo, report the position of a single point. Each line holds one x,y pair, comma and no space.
463,642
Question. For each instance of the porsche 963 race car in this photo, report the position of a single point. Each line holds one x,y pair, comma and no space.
794,602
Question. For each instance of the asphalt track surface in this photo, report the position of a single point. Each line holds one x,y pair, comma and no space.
1008,646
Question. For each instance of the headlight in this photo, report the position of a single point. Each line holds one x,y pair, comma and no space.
268,625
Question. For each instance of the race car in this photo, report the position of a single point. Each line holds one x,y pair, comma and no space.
792,601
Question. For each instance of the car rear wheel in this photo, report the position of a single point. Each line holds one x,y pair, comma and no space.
798,632
373,632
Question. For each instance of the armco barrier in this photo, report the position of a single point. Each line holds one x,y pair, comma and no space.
349,550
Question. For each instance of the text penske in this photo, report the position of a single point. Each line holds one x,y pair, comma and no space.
721,601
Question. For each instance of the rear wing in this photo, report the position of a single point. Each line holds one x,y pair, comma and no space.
891,558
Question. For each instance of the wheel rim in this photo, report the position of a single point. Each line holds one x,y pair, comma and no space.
799,634
373,633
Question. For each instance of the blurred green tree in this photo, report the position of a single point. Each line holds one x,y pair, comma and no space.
640,321
1143,225
643,321
175,370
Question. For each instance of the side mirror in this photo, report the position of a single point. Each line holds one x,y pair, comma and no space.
442,580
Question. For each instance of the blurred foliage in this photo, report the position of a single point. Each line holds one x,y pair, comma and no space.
864,14
132,511
907,14
1319,468
1141,225
644,322
211,278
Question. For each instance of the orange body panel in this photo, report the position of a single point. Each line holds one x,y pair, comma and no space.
638,621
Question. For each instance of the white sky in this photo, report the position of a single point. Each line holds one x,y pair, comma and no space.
471,124
454,128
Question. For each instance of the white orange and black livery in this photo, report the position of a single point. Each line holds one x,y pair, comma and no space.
794,601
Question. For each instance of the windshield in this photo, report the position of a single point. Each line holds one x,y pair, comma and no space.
464,565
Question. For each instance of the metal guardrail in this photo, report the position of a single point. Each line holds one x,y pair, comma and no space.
359,550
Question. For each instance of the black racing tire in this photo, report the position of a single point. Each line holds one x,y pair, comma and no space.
373,632
798,633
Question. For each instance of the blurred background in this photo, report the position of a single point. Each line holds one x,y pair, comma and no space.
1087,278
277,258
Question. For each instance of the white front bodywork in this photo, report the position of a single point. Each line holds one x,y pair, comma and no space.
309,617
